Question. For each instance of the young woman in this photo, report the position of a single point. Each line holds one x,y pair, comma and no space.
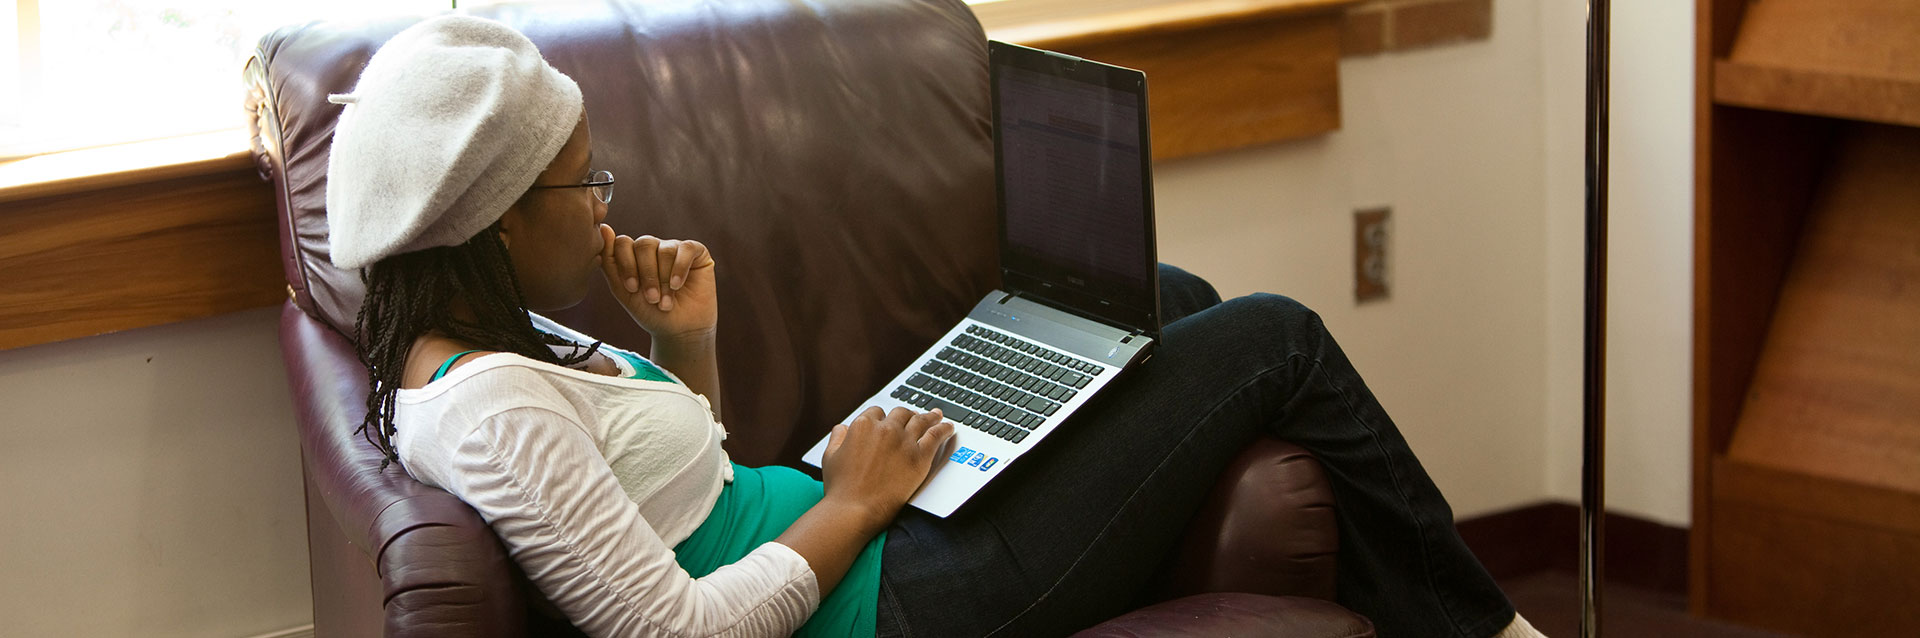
462,181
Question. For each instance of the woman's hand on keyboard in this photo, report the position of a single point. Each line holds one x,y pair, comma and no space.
872,466
877,461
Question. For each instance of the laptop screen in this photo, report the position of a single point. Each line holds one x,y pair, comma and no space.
1076,200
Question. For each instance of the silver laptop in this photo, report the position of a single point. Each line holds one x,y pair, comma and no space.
1081,297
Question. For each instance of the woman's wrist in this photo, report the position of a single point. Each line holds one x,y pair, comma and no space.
692,356
861,514
700,338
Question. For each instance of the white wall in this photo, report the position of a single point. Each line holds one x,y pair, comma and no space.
1451,138
1478,148
152,485
1650,274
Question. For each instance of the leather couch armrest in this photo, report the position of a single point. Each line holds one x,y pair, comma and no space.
441,569
1267,528
1239,615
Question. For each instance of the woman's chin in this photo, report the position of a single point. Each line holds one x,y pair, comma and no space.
557,302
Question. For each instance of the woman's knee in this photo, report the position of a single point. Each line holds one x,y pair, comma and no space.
1265,320
1175,278
1183,293
1271,309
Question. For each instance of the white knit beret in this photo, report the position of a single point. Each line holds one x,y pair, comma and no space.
450,122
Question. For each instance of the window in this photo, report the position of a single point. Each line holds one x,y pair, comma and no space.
84,73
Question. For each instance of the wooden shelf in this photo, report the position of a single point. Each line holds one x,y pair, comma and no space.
1812,555
1844,502
1836,392
1870,99
1852,59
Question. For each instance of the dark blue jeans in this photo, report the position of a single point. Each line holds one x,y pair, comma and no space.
1071,534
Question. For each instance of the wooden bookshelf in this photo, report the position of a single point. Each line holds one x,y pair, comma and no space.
1806,475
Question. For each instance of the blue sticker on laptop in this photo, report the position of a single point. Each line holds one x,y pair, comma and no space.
962,455
989,463
977,458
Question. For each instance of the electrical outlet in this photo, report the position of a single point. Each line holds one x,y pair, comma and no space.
1370,226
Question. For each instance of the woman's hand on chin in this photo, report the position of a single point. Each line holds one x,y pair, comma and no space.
667,285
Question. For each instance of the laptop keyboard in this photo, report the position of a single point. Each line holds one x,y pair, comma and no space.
997,383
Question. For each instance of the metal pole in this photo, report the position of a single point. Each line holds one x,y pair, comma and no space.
1594,426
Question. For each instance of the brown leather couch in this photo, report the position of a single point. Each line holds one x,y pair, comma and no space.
817,147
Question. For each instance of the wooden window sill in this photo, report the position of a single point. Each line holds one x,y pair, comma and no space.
115,238
123,164
1227,74
1176,18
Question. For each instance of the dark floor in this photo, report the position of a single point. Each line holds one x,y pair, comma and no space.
1550,600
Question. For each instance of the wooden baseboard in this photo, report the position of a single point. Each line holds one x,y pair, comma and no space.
1546,536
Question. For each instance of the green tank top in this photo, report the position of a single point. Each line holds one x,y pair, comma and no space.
755,508
642,368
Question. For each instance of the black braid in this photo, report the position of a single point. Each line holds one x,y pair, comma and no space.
410,294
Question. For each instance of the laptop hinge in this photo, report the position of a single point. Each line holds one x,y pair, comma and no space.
1134,332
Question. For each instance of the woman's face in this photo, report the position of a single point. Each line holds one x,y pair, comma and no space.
553,234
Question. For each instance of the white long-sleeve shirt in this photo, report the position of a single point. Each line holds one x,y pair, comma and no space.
590,481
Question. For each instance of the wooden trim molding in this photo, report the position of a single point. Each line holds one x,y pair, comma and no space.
1227,74
1222,74
1379,26
114,258
1171,19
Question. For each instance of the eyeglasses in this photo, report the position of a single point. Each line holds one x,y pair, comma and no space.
600,181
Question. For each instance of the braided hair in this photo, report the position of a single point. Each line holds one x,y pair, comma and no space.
412,293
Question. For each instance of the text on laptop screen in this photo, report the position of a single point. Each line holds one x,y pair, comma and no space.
1071,176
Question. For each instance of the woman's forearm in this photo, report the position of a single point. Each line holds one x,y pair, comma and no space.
830,536
695,361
